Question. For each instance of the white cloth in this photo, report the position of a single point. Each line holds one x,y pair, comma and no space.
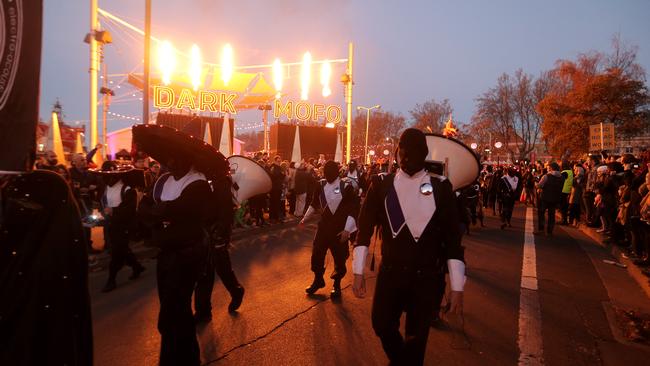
114,194
353,174
173,188
359,255
418,209
513,181
456,274
333,200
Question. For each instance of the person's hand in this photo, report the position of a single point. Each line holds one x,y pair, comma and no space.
456,302
344,236
92,187
301,224
359,286
108,211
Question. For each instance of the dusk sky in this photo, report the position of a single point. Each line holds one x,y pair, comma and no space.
406,51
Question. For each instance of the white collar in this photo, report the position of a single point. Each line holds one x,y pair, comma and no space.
173,188
417,208
114,194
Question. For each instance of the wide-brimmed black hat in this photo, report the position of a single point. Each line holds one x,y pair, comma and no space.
163,143
130,175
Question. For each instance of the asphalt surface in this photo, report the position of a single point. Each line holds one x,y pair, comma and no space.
279,325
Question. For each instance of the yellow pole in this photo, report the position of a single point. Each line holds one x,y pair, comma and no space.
93,74
348,101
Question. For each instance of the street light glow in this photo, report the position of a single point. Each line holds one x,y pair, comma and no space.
325,75
195,67
227,64
498,144
474,145
305,76
166,61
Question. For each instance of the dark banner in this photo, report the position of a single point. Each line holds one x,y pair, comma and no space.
314,140
21,23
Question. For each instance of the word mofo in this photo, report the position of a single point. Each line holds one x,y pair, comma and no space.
165,97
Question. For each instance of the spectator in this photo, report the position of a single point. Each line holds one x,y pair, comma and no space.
275,199
551,186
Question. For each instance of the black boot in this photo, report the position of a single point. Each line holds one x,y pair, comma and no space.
318,283
110,285
137,271
236,300
336,289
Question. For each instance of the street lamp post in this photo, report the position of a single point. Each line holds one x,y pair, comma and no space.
498,145
367,109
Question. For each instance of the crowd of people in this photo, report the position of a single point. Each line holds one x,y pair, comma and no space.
607,192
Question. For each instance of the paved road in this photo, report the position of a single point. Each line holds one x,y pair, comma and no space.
279,325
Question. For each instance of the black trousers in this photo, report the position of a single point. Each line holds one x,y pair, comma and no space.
340,253
177,273
415,294
121,254
219,262
543,208
588,200
507,205
275,204
564,208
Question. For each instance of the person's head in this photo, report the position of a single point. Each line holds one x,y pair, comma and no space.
277,160
553,167
140,163
412,151
154,167
331,171
110,179
511,171
352,166
179,166
51,158
79,161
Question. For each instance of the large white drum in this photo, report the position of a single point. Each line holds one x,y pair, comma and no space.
453,159
249,178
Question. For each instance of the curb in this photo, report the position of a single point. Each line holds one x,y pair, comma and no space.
632,269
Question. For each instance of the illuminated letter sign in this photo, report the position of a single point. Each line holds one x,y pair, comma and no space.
334,114
163,97
286,110
303,111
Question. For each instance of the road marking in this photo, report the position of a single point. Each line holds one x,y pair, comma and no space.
530,316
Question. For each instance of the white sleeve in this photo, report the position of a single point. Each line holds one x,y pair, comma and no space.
359,259
350,225
456,274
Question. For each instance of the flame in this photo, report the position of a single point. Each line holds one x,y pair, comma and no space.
325,75
277,77
166,61
195,67
450,130
227,63
305,75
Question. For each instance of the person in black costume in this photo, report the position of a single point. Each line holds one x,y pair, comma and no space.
418,218
339,203
218,256
44,301
507,195
179,215
119,206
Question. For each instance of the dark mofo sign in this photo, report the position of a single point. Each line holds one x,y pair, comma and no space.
165,97
20,64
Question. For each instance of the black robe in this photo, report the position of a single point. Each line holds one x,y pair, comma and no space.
44,301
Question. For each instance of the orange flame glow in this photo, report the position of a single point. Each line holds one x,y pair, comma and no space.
305,76
450,130
277,77
166,61
227,63
325,75
195,67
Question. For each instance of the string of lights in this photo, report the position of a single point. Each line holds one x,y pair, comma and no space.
124,116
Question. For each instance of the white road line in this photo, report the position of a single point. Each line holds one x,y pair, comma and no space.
530,316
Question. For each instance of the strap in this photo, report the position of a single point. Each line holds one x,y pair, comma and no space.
507,184
158,187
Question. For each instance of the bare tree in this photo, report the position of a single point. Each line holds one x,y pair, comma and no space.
431,115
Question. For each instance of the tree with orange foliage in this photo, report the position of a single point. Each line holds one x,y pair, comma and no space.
593,89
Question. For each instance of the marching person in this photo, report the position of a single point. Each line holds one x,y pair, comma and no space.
507,193
339,203
550,186
356,175
218,256
119,207
418,217
179,214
